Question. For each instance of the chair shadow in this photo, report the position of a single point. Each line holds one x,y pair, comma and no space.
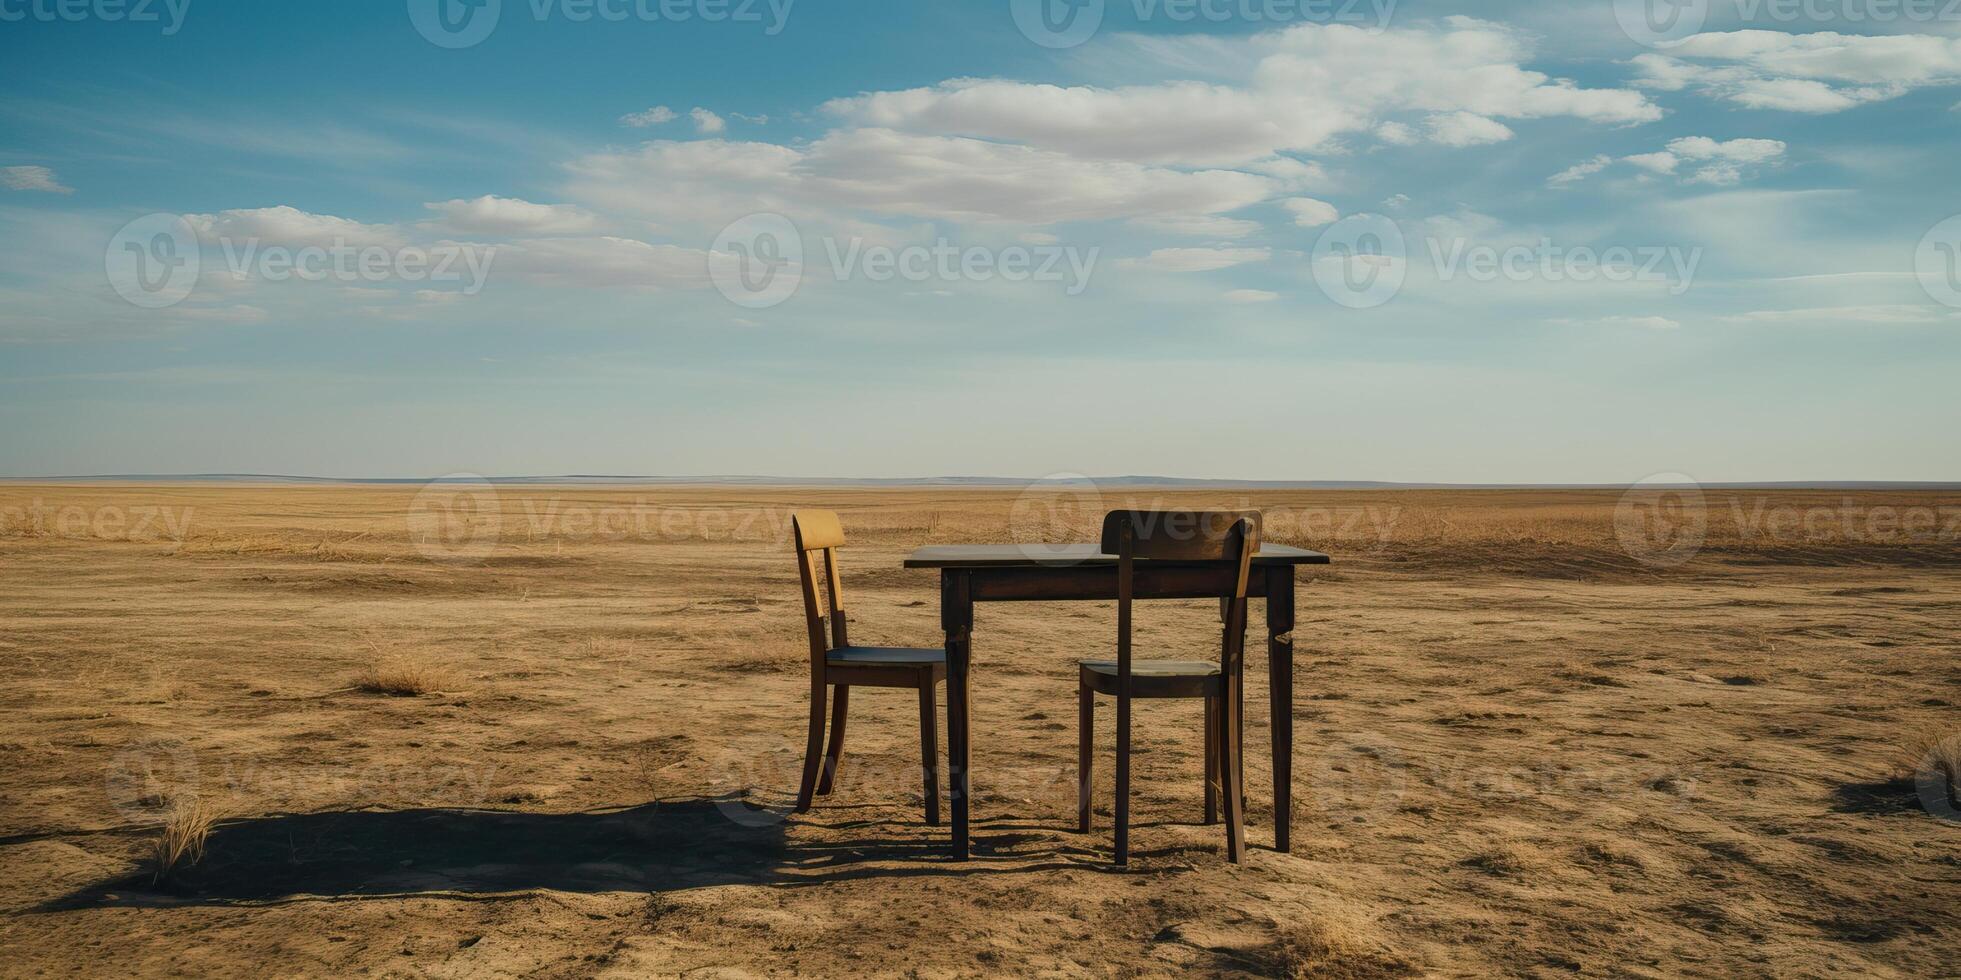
461,852
1890,796
469,853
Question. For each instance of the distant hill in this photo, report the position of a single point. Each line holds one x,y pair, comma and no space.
1167,482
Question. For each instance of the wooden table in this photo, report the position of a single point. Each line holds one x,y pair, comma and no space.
1081,572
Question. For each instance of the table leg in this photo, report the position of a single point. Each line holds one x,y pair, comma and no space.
957,617
1280,692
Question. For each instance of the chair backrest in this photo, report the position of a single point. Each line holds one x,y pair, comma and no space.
1229,538
818,531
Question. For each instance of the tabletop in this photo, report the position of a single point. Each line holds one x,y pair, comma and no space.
1069,555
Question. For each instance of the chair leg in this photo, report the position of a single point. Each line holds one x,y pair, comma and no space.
1229,789
1211,760
813,746
1123,780
929,745
1085,751
835,754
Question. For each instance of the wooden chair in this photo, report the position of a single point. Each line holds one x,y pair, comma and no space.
1228,539
834,662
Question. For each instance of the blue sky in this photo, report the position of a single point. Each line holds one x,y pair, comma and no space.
1721,255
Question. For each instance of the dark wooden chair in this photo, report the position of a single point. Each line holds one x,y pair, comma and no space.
834,662
1230,540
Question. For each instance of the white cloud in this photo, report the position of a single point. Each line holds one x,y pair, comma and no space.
1198,259
1639,322
707,123
1396,202
1397,134
1197,225
1736,151
1659,162
604,261
238,314
1848,314
1305,85
490,215
903,174
1819,72
1467,129
1310,213
289,226
1725,163
1580,171
1241,297
31,178
658,115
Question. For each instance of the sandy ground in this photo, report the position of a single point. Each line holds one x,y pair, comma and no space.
1528,744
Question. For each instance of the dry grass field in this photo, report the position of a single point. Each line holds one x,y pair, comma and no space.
336,730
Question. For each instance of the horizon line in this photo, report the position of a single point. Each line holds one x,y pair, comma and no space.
976,482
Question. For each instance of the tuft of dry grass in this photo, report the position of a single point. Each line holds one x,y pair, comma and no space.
180,842
1324,949
405,677
1936,756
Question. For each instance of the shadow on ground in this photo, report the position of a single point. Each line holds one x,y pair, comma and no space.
351,853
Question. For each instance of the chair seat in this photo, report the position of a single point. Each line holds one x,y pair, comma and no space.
1155,668
1155,678
895,656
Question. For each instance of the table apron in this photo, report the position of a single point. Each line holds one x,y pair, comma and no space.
1093,582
